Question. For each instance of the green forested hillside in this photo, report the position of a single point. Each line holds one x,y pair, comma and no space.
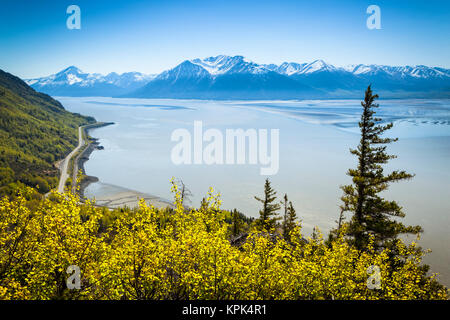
35,131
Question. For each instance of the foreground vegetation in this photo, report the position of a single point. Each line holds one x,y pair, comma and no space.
186,254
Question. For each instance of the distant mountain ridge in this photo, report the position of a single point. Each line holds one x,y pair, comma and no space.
235,77
74,82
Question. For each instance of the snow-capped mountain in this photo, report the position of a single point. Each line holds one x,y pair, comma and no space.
419,71
185,70
286,68
74,82
234,77
228,65
222,77
70,76
317,66
128,79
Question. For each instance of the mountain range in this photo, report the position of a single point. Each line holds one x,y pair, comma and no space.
234,77
74,82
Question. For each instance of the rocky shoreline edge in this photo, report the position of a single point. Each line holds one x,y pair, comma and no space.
92,144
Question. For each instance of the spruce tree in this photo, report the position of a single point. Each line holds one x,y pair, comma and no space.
292,217
268,214
372,214
289,217
236,223
285,217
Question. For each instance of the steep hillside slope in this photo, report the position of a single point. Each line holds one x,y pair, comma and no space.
35,131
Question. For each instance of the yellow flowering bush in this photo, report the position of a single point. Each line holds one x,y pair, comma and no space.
38,245
182,253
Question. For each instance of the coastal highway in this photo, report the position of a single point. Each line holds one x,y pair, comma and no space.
64,164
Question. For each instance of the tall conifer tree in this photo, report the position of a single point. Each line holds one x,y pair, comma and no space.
289,217
291,220
268,214
373,214
285,205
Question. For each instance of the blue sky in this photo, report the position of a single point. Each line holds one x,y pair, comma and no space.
152,36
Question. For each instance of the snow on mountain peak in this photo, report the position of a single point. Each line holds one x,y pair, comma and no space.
74,76
363,69
418,71
71,70
215,65
290,68
185,70
226,64
317,66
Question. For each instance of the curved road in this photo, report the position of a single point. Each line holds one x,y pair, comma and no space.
64,164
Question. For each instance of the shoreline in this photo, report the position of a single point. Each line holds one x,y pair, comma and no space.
113,197
80,160
117,196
